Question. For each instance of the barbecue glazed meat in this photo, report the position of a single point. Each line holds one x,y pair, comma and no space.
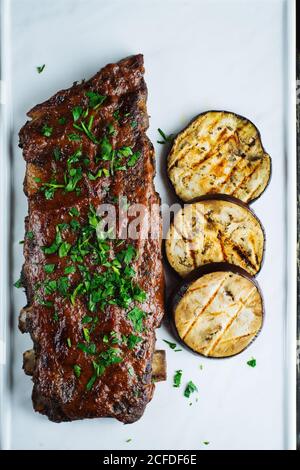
93,302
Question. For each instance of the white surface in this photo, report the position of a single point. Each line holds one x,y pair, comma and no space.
199,55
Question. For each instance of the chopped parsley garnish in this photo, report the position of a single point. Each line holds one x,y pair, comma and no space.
128,440
75,225
86,319
72,179
49,268
133,340
95,99
91,382
40,68
86,334
206,443
55,316
47,130
116,115
63,286
128,254
133,124
88,349
136,315
70,270
133,159
105,149
87,130
62,120
77,370
49,188
64,249
189,389
172,345
110,129
74,212
50,286
177,378
18,284
76,291
130,371
77,112
69,343
252,362
73,137
29,235
96,176
125,151
105,359
166,139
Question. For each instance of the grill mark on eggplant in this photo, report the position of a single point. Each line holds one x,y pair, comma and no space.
256,189
210,153
214,151
243,256
222,246
235,168
246,178
181,157
236,338
192,254
210,300
229,323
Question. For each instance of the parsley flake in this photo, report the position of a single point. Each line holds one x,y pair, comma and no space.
18,284
77,112
40,68
171,345
74,137
77,370
136,315
189,389
252,362
47,130
166,139
177,378
95,99
49,268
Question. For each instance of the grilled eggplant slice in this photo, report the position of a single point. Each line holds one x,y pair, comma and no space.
219,153
219,313
215,229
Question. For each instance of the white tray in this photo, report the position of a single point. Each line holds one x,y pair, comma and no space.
221,54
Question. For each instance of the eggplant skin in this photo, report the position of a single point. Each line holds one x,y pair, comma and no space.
215,230
220,152
219,314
